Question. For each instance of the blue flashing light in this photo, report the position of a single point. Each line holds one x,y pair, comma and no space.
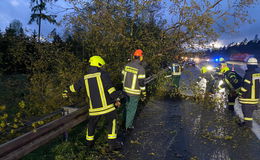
216,59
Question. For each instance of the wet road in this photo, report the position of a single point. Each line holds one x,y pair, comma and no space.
168,129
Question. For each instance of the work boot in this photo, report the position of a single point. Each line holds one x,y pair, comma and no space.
128,130
241,124
131,128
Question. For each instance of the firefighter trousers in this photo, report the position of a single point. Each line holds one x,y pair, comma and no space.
248,110
231,101
130,110
110,119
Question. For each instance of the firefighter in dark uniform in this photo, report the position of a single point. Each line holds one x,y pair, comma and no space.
232,82
250,91
134,86
103,100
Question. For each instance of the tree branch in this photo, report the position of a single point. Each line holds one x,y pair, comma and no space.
213,6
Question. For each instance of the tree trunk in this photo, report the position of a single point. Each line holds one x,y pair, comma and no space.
39,27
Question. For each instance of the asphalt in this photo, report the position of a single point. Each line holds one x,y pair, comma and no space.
182,130
156,129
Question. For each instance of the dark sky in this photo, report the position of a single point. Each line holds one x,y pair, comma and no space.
245,30
20,10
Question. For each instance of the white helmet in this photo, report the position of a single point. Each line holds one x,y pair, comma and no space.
252,61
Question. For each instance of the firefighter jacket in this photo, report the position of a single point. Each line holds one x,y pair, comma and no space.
232,81
133,78
250,87
219,67
99,89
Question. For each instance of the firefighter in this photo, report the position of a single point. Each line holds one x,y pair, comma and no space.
103,100
221,65
232,82
203,69
250,91
134,86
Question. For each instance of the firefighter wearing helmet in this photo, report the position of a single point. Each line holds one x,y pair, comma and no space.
134,86
250,91
221,65
103,100
232,82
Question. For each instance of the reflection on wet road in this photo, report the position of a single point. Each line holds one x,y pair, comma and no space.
214,135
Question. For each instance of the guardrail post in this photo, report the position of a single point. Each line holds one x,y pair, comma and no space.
67,110
65,134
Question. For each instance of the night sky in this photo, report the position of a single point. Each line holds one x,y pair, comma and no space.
20,10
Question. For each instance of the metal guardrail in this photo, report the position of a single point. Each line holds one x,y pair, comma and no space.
30,141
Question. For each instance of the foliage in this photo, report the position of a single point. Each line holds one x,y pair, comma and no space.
199,22
52,70
36,74
12,48
112,29
9,125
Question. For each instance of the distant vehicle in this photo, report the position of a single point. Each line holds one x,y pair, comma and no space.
241,57
190,64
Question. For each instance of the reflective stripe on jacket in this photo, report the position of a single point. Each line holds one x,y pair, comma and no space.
232,80
250,87
133,78
99,90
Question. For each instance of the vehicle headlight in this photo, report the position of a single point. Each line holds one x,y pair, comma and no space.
209,68
196,60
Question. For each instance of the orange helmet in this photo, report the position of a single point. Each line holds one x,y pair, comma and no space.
138,53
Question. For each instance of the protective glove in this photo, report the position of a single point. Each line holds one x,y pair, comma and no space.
117,103
65,94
